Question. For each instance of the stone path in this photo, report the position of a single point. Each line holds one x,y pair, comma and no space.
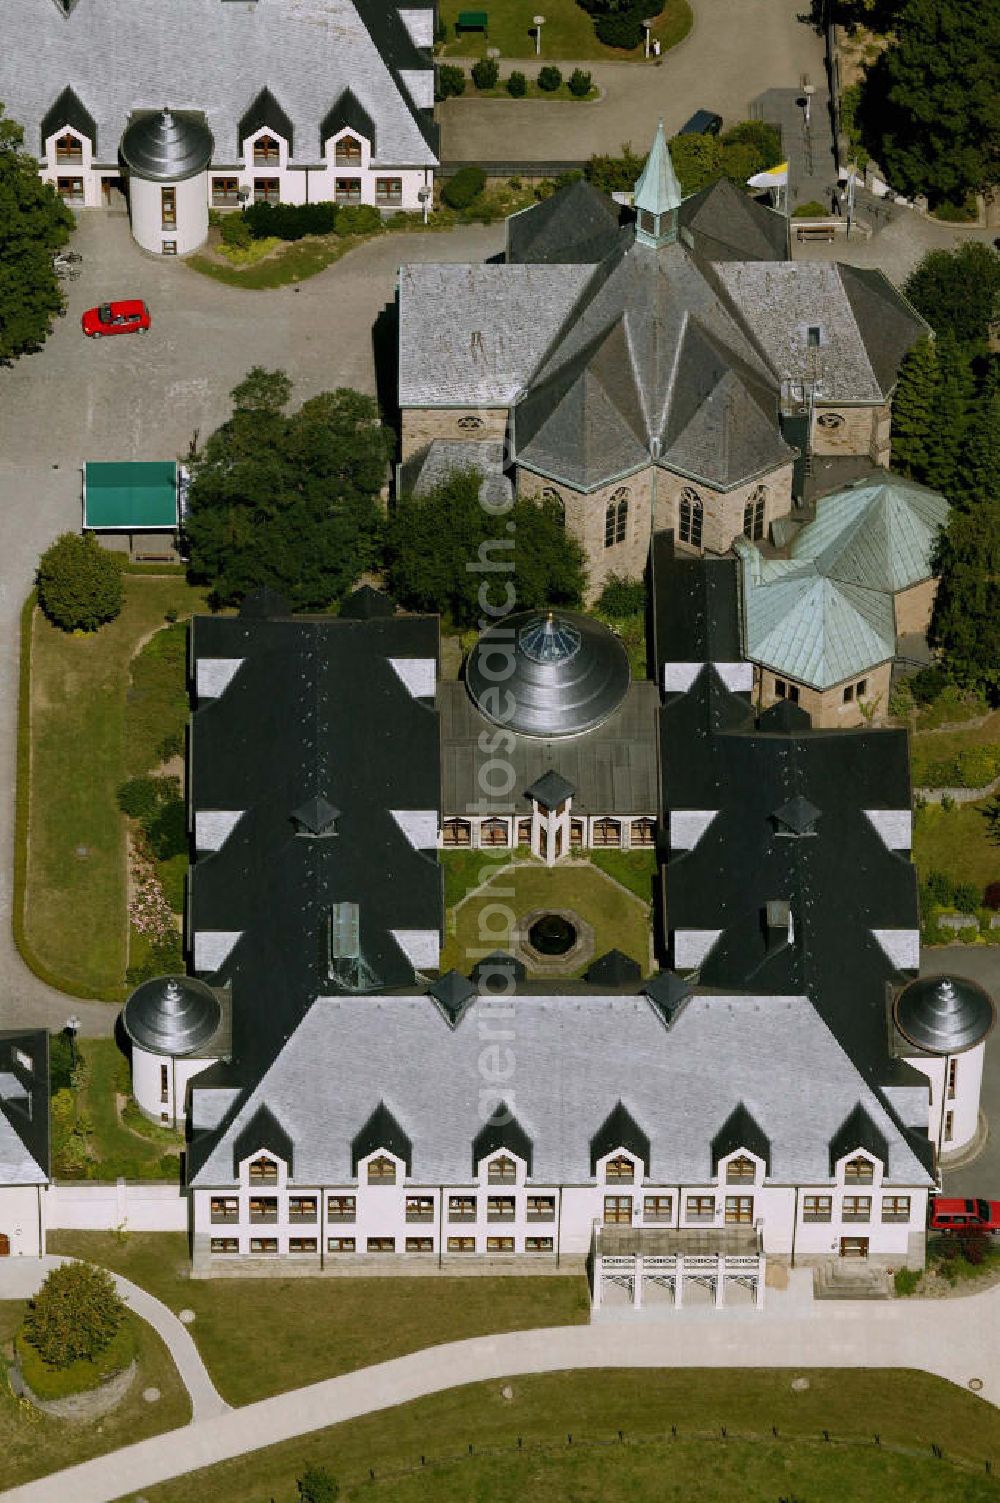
954,1339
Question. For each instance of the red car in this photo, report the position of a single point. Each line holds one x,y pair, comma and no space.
964,1215
116,318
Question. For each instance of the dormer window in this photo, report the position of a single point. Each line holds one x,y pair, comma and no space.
741,1170
69,150
501,1171
263,1171
347,152
859,1171
813,336
266,150
619,1170
382,1170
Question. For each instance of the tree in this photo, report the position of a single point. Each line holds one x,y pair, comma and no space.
443,547
317,1486
981,467
930,107
75,1315
288,501
951,416
913,409
34,222
958,291
79,583
966,621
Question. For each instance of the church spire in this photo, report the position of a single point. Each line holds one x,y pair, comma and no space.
657,196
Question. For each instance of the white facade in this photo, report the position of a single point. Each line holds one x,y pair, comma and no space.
22,1221
160,1082
169,219
953,1111
550,834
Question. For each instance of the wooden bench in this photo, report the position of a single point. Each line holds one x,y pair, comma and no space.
473,20
815,232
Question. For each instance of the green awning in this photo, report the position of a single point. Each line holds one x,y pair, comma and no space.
130,497
472,20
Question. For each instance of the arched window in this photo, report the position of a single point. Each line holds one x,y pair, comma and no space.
263,1171
642,831
619,1170
265,150
470,423
551,497
501,1171
859,1171
607,832
616,517
381,1170
753,513
493,832
69,150
347,152
691,517
741,1170
457,832
831,421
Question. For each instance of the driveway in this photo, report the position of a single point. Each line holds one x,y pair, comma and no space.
142,397
736,50
980,963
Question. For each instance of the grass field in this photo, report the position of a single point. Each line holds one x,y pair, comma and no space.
956,842
262,1336
486,920
906,1409
103,1146
86,739
32,1443
568,32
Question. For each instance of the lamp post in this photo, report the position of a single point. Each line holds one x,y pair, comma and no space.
649,26
424,198
539,22
71,1029
808,90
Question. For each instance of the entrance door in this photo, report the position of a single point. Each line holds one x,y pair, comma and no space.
854,1247
4,1245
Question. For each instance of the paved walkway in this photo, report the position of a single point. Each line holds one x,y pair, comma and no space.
955,1339
20,1278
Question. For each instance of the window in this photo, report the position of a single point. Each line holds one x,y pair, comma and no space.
69,151
617,1210
616,517
540,1208
502,1171
607,832
164,1084
457,832
741,1171
831,421
895,1208
266,150
347,152
381,1170
499,1244
225,1244
263,1208
849,694
347,190
642,832
389,191
302,1208
861,687
461,1244
952,1078
647,222
302,1244
263,1244
224,1208
470,423
949,1126
420,1244
812,337
691,517
551,497
340,1244
263,1172
225,192
739,1210
266,190
461,1208
70,189
857,1208
753,513
699,1208
168,207
524,832
500,1208
381,1244
420,1208
859,1171
340,1207
817,1207
538,1244
620,1170
24,1060
168,248
784,690
493,832
658,1208
576,828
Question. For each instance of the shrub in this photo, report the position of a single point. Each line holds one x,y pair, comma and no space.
291,221
967,897
80,583
973,1246
813,209
358,219
317,1486
991,896
450,81
549,79
764,139
165,958
580,83
236,231
60,1062
49,1382
76,1314
462,189
964,213
517,86
171,746
906,1280
486,73
622,597
978,765
620,29
940,888
139,797
166,829
927,683
947,803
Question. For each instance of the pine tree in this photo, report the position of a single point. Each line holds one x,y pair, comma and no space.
946,437
914,410
966,624
980,472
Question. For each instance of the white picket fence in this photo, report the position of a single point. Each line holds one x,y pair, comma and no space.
133,1206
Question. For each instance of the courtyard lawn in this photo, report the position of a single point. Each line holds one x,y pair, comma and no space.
32,1444
908,1410
262,1336
96,1142
86,738
633,869
956,842
484,921
568,33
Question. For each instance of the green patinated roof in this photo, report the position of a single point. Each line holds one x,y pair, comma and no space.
130,496
658,190
878,533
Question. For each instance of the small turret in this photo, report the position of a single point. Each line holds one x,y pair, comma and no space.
657,196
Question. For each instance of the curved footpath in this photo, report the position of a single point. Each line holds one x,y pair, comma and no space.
956,1339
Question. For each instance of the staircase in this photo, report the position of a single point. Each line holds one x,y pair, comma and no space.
842,1278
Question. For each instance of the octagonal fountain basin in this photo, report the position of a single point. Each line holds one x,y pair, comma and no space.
552,934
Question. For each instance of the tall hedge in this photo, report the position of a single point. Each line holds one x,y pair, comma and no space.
75,1315
80,583
464,188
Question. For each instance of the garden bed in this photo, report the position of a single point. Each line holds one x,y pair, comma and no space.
568,32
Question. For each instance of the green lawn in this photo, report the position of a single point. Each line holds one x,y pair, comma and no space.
96,1143
85,740
568,32
486,920
908,1410
633,869
32,1443
262,1336
956,842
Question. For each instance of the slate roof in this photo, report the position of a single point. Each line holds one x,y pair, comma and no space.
24,1107
579,1055
443,457
612,769
266,111
577,224
722,223
182,54
695,607
657,190
68,109
879,533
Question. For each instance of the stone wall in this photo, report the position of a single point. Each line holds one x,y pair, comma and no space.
723,511
853,430
827,706
422,424
913,607
586,518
